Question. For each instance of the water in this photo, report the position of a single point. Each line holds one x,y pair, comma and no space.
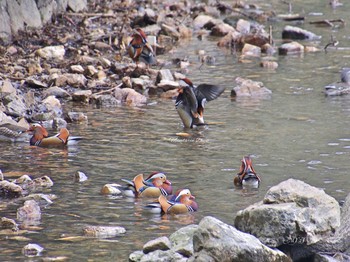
296,133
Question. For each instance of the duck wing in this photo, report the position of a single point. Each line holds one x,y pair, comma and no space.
208,92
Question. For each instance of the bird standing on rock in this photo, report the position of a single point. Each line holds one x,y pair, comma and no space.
139,49
247,175
191,101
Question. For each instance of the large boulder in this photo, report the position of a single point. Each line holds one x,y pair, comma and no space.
291,212
217,241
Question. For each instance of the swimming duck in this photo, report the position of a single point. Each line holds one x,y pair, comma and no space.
342,87
181,202
41,137
139,49
154,185
191,101
247,175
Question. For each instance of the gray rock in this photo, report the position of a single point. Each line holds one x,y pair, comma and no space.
201,20
222,29
32,250
80,177
217,241
14,105
167,85
76,117
291,48
105,100
77,5
292,212
51,52
247,87
5,23
10,189
82,96
56,91
251,50
163,256
29,212
243,26
160,243
47,9
129,96
182,240
7,223
165,74
136,256
103,231
293,32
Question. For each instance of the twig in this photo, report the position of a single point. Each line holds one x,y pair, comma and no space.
108,90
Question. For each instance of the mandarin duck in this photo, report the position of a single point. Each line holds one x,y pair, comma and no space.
181,202
139,49
41,137
191,100
247,175
154,185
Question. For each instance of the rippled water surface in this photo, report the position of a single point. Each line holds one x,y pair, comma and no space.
297,132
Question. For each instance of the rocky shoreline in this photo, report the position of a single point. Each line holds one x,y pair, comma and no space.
80,58
294,222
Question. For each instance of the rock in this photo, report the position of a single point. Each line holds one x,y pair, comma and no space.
163,256
14,105
111,189
58,123
32,250
182,240
164,74
171,31
78,69
136,256
80,177
77,5
340,240
229,39
7,88
222,29
91,70
217,241
251,50
82,96
104,100
200,21
51,52
243,26
269,64
53,105
160,243
291,48
103,231
56,91
76,80
10,189
22,180
141,83
291,211
296,33
29,212
76,117
44,182
7,223
129,97
247,87
170,94
184,31
166,85
1,176
41,199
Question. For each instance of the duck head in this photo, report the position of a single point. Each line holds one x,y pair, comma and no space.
247,175
39,133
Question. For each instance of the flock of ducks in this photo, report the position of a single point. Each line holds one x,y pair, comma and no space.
189,104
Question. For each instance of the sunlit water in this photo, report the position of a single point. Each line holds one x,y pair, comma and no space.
296,133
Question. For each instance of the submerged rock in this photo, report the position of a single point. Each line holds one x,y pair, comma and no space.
9,189
247,87
32,250
293,32
103,231
29,212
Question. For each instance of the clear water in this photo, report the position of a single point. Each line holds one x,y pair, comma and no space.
297,132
